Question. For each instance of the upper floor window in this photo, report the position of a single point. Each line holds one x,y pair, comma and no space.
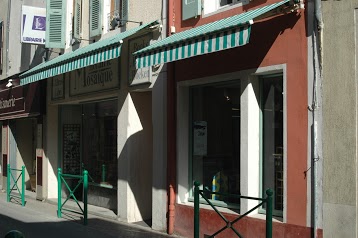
118,15
194,8
77,21
211,6
95,18
57,21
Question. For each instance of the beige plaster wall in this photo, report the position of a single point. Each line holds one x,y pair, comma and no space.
339,119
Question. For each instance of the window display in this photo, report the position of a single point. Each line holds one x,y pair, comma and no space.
100,142
216,139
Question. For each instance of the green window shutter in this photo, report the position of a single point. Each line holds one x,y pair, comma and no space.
95,18
191,8
55,24
124,12
77,26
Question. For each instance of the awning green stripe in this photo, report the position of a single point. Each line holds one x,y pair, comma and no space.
196,47
219,35
103,50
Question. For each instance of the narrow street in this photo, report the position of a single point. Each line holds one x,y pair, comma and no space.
39,219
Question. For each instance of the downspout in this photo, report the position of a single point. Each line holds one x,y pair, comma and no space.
316,111
7,36
171,120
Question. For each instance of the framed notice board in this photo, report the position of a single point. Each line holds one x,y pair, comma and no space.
71,148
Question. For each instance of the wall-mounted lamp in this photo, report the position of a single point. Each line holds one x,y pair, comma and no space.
116,21
75,41
9,84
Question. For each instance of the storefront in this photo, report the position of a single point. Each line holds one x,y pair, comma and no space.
100,119
237,118
21,113
87,104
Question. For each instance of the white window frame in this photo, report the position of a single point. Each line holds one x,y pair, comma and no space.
213,6
249,85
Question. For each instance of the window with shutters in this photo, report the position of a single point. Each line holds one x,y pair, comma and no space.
194,8
55,23
77,21
95,18
211,6
119,14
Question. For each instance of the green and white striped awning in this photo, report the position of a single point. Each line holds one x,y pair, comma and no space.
103,50
219,35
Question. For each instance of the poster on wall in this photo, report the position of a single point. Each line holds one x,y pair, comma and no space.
200,138
33,25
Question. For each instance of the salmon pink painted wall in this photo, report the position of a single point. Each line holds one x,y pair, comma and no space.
278,40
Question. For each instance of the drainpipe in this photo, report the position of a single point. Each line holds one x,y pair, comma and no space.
316,111
171,120
7,36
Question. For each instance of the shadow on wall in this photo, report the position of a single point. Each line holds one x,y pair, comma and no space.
138,153
252,55
25,140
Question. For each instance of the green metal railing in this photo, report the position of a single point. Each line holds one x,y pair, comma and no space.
83,179
230,224
10,176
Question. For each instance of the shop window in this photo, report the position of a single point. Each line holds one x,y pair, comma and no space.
272,138
215,153
211,6
99,122
218,141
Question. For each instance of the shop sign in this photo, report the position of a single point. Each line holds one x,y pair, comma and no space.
142,75
95,78
33,25
58,87
17,101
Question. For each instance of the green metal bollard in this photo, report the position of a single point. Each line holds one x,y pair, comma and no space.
103,173
59,194
8,182
196,209
23,185
85,191
269,200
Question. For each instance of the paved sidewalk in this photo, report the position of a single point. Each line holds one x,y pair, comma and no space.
39,219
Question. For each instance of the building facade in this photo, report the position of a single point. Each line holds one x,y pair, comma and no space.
340,118
22,107
100,109
226,93
240,78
